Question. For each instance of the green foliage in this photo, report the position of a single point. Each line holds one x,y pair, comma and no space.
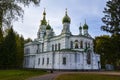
12,50
9,50
19,74
109,49
112,17
27,40
20,51
1,35
11,10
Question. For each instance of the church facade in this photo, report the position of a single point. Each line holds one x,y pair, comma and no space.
61,52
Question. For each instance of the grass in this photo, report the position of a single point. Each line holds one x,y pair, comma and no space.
78,76
19,74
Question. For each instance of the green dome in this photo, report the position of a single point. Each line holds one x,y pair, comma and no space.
66,18
43,22
85,26
48,27
80,27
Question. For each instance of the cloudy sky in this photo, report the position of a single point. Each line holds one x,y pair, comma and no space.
78,11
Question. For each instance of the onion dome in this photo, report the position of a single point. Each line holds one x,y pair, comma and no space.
66,18
80,27
48,26
44,22
85,26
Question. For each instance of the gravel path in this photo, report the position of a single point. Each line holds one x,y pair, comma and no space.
52,76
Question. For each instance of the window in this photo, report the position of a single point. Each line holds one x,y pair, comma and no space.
43,61
71,45
55,46
76,43
38,61
52,47
27,51
59,46
86,45
47,60
64,60
42,47
37,48
81,44
88,57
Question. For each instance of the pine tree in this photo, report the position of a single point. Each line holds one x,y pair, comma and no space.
112,17
9,50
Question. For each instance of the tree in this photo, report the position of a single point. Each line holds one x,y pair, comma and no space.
11,10
9,50
112,17
27,40
20,50
105,47
1,35
116,41
1,45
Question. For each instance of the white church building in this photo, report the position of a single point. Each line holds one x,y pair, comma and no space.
62,52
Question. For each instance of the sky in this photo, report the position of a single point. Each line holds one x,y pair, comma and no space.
78,11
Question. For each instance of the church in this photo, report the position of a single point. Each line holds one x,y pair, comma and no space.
61,52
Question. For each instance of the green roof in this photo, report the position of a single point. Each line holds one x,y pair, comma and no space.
66,18
48,27
85,26
80,27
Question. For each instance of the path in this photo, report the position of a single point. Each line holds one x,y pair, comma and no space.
52,76
49,76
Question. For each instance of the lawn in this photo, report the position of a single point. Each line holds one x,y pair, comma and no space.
78,76
19,74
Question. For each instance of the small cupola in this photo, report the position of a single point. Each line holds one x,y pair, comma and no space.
85,26
80,28
66,18
48,26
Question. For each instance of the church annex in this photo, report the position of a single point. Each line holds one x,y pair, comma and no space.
62,52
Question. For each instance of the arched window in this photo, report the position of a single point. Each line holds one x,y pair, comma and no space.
71,44
76,44
55,46
88,57
59,46
52,47
81,44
